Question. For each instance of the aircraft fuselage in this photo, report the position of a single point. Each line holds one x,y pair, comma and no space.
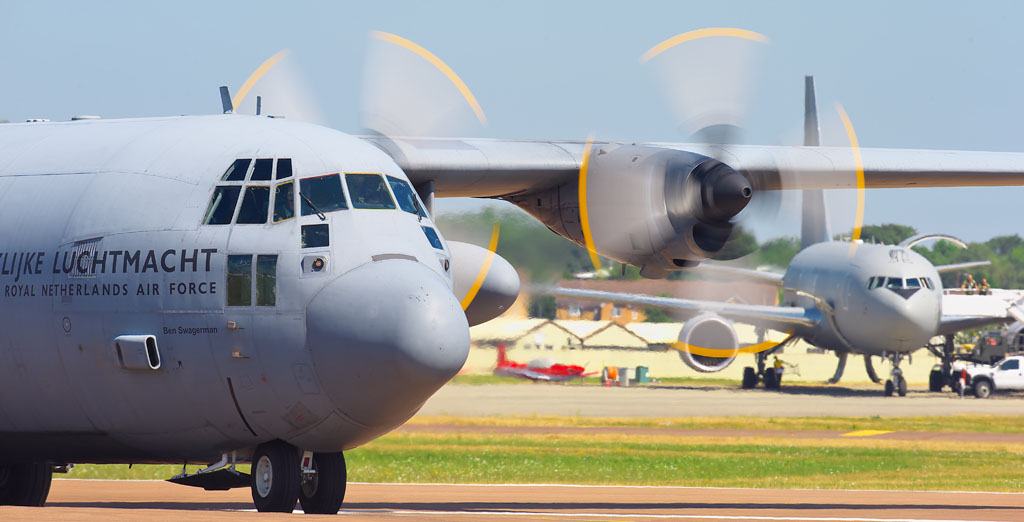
308,300
884,299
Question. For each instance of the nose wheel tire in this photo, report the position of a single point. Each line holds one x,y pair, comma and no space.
889,388
275,477
901,386
25,484
323,492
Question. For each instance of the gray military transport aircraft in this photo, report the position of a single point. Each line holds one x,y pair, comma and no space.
873,300
230,288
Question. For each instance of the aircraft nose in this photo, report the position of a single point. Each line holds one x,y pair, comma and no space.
910,322
384,337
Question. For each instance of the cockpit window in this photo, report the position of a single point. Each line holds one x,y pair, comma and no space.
405,196
894,283
284,168
927,283
432,238
875,282
913,282
368,191
237,170
284,205
255,205
324,192
261,170
222,205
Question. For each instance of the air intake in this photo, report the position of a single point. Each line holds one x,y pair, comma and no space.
137,352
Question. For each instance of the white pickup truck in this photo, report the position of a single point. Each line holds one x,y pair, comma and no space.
1007,374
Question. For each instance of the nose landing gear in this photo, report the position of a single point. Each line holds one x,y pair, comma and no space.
280,479
896,383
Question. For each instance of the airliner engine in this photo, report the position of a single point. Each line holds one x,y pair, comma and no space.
708,343
655,208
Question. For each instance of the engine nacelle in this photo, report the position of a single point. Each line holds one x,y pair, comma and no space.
495,293
708,343
659,209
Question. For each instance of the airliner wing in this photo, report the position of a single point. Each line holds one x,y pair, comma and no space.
495,168
967,312
952,324
781,318
731,273
961,266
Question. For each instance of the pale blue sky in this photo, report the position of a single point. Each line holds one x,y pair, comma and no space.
939,75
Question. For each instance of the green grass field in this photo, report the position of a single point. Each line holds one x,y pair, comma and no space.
662,459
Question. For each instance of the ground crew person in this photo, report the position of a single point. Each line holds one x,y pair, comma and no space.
969,285
984,289
963,381
778,369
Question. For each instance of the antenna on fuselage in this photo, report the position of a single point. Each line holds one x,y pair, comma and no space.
814,215
225,100
259,105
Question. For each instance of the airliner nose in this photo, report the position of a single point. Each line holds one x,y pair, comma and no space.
384,337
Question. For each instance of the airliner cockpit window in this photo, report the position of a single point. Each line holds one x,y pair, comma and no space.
368,191
284,168
432,238
927,283
894,283
324,192
284,204
255,205
875,282
261,170
222,205
237,170
913,282
406,197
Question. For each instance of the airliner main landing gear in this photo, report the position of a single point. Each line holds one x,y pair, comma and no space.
896,382
771,379
280,478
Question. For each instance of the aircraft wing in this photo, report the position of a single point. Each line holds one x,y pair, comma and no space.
967,312
952,324
496,168
781,318
961,266
731,273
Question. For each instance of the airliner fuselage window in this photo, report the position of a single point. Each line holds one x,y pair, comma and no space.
368,191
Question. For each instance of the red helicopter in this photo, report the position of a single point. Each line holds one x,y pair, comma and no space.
540,369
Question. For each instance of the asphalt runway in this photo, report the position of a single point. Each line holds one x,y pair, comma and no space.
88,500
702,401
